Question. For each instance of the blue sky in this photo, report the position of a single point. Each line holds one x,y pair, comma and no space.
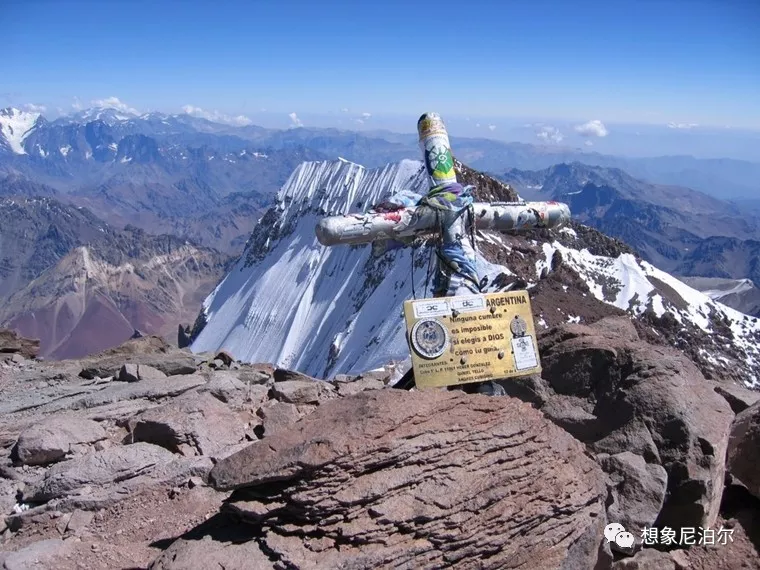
686,62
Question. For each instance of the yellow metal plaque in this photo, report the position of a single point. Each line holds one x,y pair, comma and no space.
457,340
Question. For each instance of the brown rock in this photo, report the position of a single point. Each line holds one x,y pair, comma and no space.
744,449
98,469
303,391
13,343
396,479
193,424
359,385
41,554
276,417
637,491
150,350
649,400
282,375
79,521
226,387
738,397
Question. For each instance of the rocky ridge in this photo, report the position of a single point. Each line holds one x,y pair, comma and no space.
147,455
79,285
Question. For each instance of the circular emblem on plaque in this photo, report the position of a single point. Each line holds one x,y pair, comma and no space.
518,326
430,338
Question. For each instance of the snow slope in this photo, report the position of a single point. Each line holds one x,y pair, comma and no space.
15,126
637,286
323,311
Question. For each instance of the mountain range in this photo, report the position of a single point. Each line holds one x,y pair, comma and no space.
80,285
93,197
679,230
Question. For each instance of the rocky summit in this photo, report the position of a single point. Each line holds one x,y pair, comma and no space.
149,456
273,436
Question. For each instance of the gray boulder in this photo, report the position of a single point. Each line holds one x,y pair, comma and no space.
55,437
139,372
95,469
41,554
277,416
303,391
637,491
738,397
146,372
128,373
193,424
208,553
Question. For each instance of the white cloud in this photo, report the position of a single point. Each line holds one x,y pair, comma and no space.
682,125
344,110
477,124
492,127
32,108
114,103
359,121
593,128
296,122
589,143
366,116
550,134
216,116
77,104
241,120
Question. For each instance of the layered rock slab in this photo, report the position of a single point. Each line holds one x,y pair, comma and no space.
392,479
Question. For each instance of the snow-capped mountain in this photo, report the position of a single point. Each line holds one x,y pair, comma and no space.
15,127
742,294
677,229
321,310
108,115
326,311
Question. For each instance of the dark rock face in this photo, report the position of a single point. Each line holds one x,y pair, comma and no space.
425,479
646,400
183,336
